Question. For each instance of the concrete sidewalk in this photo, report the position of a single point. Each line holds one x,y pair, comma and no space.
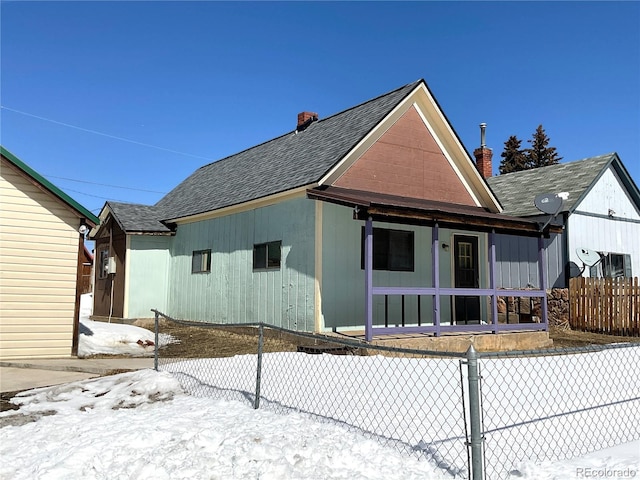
18,375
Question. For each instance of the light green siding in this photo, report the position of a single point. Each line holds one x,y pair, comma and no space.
343,293
233,292
148,258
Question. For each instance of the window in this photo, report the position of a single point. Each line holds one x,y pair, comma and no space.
267,255
612,265
392,250
201,261
103,266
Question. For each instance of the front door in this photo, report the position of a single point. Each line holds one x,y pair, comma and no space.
466,275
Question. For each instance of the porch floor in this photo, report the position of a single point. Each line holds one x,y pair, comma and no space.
457,342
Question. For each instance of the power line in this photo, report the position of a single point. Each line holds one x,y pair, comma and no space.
101,133
96,196
103,184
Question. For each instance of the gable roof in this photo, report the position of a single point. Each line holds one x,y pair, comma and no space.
295,159
135,217
517,190
45,184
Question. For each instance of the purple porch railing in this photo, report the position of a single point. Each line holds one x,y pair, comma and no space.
436,292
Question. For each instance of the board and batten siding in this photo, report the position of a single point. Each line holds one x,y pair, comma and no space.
38,268
233,292
147,269
606,220
517,261
343,293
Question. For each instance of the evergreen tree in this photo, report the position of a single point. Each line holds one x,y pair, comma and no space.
513,157
540,154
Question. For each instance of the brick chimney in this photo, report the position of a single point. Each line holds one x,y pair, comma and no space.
305,119
483,155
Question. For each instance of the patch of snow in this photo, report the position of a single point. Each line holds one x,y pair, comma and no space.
101,338
170,435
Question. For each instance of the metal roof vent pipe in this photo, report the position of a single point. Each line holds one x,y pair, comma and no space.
484,155
305,119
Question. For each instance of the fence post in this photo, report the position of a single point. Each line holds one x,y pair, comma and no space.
474,414
256,403
155,349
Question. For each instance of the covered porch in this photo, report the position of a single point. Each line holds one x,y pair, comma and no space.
475,305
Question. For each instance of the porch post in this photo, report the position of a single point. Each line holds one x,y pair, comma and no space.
492,279
542,268
435,258
368,279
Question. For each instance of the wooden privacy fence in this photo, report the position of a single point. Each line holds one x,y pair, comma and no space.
605,305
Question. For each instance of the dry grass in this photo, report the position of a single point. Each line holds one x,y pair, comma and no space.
202,342
572,338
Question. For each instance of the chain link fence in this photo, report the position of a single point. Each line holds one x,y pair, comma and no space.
474,416
563,404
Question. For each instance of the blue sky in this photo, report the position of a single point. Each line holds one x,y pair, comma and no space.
204,80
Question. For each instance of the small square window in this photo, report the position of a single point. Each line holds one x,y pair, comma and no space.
267,255
201,261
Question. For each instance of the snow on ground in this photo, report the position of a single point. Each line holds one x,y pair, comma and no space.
142,425
97,434
101,338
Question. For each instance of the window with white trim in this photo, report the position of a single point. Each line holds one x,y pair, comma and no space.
612,265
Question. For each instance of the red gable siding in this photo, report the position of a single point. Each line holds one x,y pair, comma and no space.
407,161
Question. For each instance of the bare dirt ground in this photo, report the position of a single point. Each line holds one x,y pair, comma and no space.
572,338
199,342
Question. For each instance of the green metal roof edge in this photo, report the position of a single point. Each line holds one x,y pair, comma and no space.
48,185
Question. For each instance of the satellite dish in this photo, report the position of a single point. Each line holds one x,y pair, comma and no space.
588,257
548,203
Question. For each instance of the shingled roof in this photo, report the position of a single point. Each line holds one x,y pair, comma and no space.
135,217
292,160
516,191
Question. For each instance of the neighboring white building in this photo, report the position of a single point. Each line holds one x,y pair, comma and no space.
41,259
601,213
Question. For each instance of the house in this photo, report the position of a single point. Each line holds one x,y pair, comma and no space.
374,218
601,213
41,261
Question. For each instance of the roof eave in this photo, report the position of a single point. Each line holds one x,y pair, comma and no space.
82,212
